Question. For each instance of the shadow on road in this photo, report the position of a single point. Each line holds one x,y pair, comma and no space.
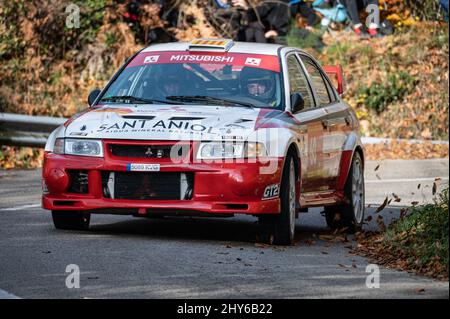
237,229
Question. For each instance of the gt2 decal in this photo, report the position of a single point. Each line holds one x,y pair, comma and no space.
271,191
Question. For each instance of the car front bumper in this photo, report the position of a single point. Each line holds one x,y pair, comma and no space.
219,188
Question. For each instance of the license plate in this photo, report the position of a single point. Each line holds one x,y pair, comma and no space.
143,167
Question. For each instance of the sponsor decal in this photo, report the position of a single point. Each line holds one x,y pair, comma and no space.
253,61
113,110
201,58
271,191
139,125
78,134
263,61
151,59
136,167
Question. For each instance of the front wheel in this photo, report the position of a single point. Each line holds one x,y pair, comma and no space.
71,220
349,215
279,229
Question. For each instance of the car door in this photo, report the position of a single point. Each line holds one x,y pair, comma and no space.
309,130
336,123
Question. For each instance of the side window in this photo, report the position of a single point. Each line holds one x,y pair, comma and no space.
298,82
319,83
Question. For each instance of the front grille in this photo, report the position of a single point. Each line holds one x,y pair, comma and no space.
149,151
79,182
147,186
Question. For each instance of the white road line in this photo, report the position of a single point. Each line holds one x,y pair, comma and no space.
20,207
7,295
404,180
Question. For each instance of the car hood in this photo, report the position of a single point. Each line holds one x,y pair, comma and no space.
165,122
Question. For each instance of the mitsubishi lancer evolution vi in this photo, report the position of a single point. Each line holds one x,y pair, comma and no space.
211,127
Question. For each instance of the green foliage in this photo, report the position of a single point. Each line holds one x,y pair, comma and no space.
91,19
11,42
337,53
429,10
302,38
423,233
380,94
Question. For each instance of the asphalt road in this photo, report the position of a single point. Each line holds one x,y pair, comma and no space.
126,257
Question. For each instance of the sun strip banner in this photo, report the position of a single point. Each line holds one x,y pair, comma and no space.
262,61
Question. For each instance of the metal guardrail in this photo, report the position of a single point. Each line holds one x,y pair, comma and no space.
26,130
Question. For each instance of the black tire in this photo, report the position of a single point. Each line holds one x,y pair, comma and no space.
349,215
71,220
279,229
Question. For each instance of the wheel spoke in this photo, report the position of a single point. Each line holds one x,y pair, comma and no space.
358,191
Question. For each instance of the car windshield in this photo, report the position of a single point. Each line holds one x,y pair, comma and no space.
228,79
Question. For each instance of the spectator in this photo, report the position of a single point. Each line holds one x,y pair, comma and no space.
444,5
132,14
304,9
353,7
266,20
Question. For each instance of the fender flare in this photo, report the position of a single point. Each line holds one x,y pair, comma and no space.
352,144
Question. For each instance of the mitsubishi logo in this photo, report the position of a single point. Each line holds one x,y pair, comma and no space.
149,152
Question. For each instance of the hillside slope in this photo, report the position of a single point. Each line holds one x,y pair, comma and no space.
398,84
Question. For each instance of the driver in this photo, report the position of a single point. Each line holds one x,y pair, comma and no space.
258,84
174,80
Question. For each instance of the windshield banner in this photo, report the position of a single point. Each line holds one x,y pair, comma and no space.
262,61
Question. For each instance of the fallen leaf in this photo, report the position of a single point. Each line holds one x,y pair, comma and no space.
379,209
420,290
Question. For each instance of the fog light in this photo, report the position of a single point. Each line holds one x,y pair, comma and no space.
57,181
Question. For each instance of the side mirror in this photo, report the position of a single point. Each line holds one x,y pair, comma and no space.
297,102
92,96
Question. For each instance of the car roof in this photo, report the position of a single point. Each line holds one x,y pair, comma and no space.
238,47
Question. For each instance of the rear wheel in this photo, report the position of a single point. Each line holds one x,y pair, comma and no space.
349,215
71,220
279,229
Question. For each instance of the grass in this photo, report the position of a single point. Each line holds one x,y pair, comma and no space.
417,242
422,235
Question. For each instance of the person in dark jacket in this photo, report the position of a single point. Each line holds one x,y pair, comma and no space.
304,9
265,20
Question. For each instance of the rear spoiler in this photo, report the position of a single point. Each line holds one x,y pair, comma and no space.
336,76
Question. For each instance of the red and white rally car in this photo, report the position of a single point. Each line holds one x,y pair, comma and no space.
211,128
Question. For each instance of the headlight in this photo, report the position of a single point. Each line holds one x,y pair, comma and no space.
81,147
218,150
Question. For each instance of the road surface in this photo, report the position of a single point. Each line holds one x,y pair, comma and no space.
126,257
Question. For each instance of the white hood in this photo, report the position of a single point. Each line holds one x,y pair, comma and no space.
164,122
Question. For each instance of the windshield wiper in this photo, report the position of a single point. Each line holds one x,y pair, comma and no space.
133,99
204,98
